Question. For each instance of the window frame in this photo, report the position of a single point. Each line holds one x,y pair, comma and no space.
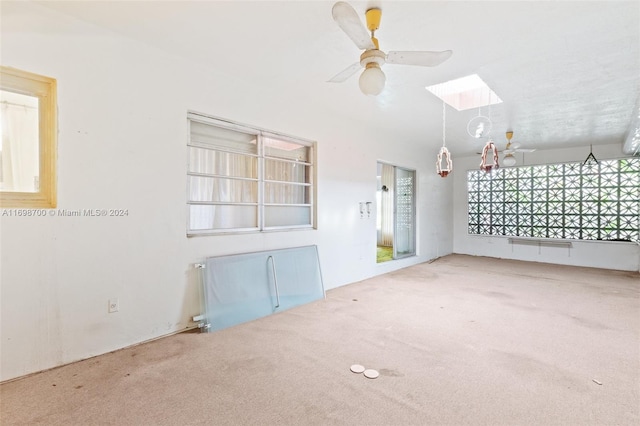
261,180
45,89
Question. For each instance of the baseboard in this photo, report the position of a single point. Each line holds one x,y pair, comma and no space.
190,329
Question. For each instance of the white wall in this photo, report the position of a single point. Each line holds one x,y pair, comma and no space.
122,144
598,254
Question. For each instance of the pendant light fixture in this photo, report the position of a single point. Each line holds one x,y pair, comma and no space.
490,146
444,154
480,127
591,159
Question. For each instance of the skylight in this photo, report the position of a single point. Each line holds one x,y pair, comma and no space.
465,93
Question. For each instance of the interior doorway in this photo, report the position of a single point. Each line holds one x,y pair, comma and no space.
395,219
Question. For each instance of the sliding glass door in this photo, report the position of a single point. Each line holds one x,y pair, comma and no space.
395,212
405,214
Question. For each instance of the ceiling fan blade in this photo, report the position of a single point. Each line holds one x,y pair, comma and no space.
424,59
347,18
525,150
346,73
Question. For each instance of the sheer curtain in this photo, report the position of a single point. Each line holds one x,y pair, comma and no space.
284,161
20,167
386,202
223,190
229,190
286,194
281,193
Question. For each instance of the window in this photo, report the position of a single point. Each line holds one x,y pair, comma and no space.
28,142
570,201
246,179
465,93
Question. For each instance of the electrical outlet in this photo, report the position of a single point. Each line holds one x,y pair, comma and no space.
114,305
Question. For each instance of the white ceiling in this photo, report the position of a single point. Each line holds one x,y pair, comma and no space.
568,72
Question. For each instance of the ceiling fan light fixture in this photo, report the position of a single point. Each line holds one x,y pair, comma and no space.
509,160
372,80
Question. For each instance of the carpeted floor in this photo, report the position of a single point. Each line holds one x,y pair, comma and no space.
463,340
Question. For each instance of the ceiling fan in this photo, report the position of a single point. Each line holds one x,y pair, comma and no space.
372,79
511,148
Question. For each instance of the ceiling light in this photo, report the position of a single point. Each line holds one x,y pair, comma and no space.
372,80
487,167
509,160
479,127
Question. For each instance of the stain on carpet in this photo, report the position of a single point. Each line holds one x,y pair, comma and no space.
390,373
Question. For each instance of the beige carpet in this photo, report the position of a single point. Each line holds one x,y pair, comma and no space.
463,340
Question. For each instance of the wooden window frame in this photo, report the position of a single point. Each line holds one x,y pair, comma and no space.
44,88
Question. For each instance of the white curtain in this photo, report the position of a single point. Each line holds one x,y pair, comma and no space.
286,193
212,189
278,193
20,166
222,190
386,204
